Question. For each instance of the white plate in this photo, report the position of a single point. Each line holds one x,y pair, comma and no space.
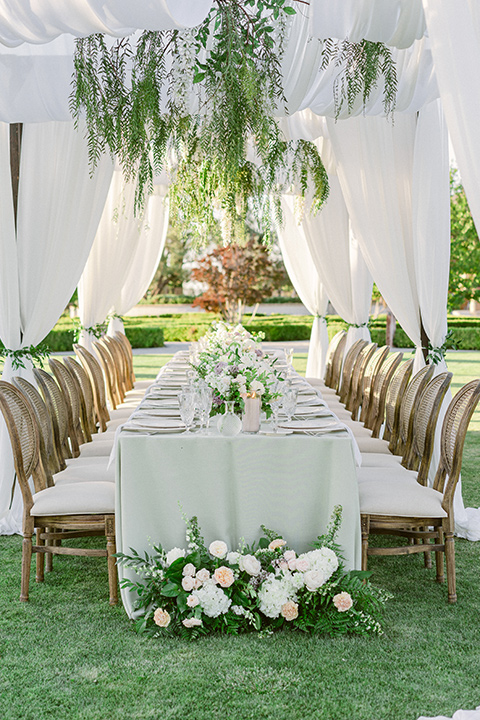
271,433
157,423
311,425
159,412
154,431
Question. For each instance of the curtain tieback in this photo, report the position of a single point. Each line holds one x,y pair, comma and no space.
437,354
33,353
359,325
320,317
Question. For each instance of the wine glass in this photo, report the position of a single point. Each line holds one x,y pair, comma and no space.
186,401
289,355
204,399
275,404
289,402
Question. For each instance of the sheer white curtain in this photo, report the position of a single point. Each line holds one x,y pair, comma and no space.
394,22
339,261
146,255
124,255
454,31
307,283
20,23
59,206
375,166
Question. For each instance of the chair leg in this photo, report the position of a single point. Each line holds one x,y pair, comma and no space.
450,557
365,525
39,576
111,560
439,558
48,559
26,562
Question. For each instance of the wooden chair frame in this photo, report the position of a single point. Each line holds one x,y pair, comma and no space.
385,374
347,370
432,534
336,345
22,428
94,371
393,400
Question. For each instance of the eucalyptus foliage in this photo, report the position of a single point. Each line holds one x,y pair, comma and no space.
201,103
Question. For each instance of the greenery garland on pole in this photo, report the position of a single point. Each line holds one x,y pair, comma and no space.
201,103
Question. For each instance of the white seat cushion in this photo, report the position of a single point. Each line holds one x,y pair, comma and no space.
374,445
381,460
86,470
75,499
384,474
97,449
317,383
400,499
142,385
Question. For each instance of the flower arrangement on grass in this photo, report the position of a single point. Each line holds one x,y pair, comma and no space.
230,360
259,588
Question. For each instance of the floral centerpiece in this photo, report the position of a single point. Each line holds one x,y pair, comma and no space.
231,361
263,587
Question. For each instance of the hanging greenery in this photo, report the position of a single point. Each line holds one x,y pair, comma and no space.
201,103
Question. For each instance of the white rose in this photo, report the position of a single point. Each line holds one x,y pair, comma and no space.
250,564
189,569
174,554
314,579
203,575
218,549
257,387
192,600
233,558
188,583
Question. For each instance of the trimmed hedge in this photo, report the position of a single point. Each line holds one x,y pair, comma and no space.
153,331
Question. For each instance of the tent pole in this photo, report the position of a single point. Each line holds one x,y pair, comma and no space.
16,130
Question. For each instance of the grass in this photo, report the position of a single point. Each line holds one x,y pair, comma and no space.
67,654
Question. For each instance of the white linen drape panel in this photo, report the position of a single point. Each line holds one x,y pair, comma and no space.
307,86
375,165
58,213
38,21
307,283
110,256
35,79
454,30
145,257
394,22
339,261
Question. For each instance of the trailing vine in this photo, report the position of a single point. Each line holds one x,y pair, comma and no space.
201,103
36,354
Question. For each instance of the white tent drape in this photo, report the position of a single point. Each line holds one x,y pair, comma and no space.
307,283
454,30
40,22
394,22
124,255
145,258
58,213
375,165
339,261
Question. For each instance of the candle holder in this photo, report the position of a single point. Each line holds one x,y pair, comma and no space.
251,414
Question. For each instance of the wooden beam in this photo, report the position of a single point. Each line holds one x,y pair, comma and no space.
16,130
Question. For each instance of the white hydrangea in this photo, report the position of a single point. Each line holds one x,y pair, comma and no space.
213,600
273,593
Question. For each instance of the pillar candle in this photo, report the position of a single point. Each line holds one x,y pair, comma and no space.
251,414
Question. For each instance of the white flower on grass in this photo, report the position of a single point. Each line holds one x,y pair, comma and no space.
250,564
213,600
218,549
274,592
174,554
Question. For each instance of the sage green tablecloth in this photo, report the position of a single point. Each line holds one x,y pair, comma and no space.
290,484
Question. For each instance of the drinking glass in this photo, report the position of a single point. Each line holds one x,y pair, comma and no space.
275,404
186,401
289,355
204,399
289,402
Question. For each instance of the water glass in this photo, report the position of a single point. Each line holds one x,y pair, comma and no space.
204,400
289,402
186,401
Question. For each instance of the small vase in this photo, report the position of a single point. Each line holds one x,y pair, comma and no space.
229,424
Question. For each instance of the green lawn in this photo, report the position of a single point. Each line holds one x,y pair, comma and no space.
67,654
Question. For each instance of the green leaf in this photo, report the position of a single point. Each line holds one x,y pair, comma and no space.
288,10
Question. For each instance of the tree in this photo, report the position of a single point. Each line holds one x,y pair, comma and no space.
237,275
170,272
464,283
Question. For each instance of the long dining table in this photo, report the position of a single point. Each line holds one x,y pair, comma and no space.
288,481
